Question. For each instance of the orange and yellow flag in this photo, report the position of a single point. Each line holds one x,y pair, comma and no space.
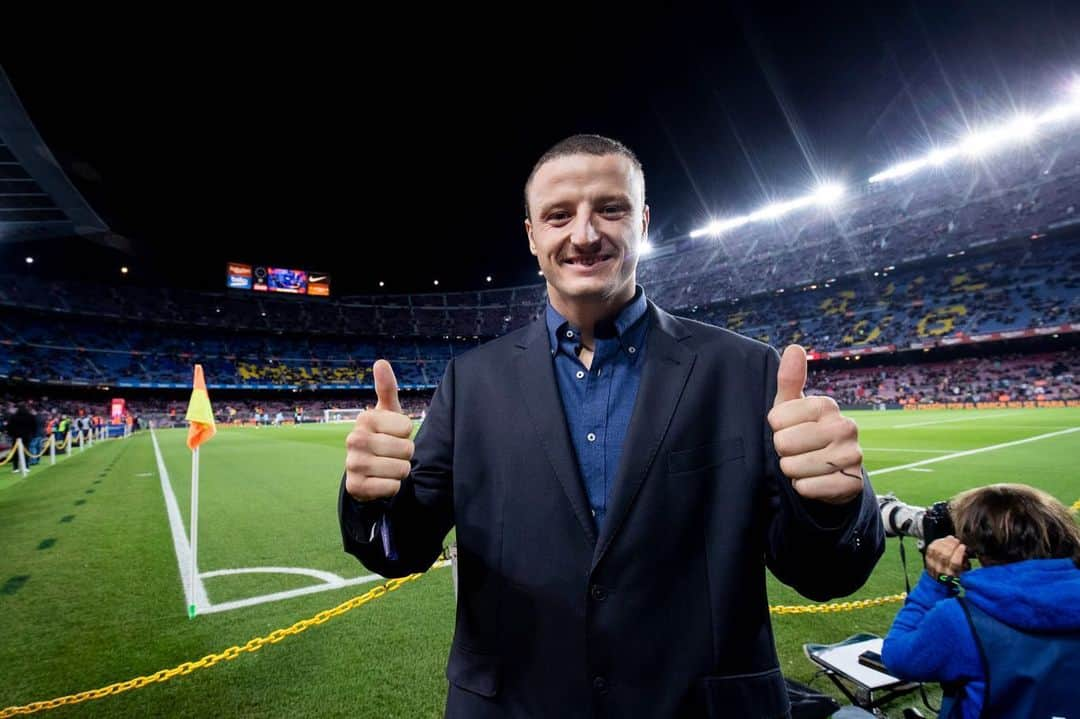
199,413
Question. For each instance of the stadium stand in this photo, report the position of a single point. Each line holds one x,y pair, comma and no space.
1019,286
1038,377
973,252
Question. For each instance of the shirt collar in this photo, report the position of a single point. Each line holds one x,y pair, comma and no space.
628,325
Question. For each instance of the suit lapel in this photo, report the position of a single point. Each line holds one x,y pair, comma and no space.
667,367
540,390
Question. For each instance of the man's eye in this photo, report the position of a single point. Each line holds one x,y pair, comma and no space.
558,216
614,209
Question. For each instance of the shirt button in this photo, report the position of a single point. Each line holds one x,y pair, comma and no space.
591,437
600,685
580,374
569,334
631,350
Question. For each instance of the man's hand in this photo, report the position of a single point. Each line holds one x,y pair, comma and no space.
818,447
946,556
379,448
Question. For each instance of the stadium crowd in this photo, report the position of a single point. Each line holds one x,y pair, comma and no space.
1018,286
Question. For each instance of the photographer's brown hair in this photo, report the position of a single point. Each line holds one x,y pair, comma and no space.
1003,523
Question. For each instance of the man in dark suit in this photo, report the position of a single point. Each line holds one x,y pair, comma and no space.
619,478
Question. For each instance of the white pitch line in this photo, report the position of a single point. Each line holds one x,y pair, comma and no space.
905,449
1029,427
327,577
946,421
202,602
920,469
278,596
192,595
977,450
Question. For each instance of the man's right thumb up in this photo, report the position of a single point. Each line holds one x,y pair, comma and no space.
386,387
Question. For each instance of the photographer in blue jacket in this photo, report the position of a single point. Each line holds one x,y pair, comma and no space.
1003,639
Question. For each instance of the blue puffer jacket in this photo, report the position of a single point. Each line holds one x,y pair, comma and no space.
931,639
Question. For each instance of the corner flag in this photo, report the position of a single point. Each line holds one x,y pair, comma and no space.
199,413
202,428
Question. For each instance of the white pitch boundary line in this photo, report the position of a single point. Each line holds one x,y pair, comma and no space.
328,577
977,450
192,595
921,469
905,449
946,421
289,594
278,596
1028,427
202,602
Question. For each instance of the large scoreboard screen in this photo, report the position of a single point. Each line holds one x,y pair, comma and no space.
289,281
293,282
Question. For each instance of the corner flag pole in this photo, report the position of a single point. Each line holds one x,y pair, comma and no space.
194,526
200,428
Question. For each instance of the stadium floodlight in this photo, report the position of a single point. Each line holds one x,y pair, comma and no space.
718,227
488,278
124,270
979,143
1019,129
897,171
1056,114
436,283
939,157
828,193
776,210
1022,127
646,249
1061,112
29,260
771,211
382,284
825,194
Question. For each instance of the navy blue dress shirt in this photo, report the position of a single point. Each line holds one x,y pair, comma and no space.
598,400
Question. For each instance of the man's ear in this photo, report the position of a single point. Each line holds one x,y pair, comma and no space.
529,233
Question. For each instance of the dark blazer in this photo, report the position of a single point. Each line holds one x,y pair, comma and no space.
663,611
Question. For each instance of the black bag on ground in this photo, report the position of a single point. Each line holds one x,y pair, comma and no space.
807,703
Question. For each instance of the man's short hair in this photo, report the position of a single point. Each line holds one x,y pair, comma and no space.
1004,523
583,145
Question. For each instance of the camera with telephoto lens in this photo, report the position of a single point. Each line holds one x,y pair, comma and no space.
923,523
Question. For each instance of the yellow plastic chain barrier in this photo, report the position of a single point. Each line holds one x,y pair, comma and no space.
10,454
277,635
211,659
63,445
837,606
44,449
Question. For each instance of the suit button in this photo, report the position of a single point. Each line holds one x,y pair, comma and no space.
600,685
599,593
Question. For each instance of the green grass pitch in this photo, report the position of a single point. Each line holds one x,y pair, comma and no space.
90,589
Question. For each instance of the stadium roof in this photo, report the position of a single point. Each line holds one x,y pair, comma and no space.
37,200
377,167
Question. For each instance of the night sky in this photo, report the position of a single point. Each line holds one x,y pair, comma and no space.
395,148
